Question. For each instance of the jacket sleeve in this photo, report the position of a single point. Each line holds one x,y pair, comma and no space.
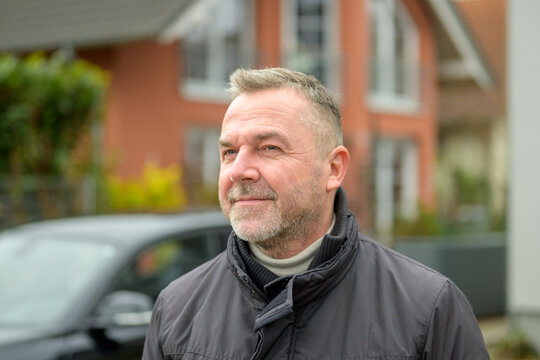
453,331
152,345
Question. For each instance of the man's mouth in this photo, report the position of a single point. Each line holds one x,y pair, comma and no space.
249,200
245,195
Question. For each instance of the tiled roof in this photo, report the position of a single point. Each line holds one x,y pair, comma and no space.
48,24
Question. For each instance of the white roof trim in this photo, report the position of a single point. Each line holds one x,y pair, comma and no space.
471,58
197,14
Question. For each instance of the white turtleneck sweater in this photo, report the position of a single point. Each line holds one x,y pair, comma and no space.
293,265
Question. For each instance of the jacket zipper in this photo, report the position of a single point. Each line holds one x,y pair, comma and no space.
252,288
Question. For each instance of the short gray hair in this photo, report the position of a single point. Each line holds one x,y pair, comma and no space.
326,119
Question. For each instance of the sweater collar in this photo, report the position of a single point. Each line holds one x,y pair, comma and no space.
292,265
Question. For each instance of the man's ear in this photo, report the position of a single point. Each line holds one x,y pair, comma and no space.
338,161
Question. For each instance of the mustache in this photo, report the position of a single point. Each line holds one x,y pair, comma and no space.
258,191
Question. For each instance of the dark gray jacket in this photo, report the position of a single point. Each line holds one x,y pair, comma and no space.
366,302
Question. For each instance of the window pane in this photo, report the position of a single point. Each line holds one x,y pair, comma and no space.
310,7
393,51
201,158
154,268
196,53
193,156
311,39
196,58
42,277
233,55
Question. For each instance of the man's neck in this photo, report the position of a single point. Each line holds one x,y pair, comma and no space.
285,248
291,265
287,245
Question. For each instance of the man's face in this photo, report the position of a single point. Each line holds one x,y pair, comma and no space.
271,181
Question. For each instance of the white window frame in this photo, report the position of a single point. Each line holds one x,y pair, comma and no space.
331,49
387,98
213,87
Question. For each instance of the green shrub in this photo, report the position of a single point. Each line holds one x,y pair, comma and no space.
47,105
427,223
157,189
515,346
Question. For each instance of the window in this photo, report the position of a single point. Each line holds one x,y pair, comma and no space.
219,44
202,157
394,56
396,183
154,268
60,268
310,40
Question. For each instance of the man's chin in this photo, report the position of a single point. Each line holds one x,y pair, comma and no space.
247,232
253,231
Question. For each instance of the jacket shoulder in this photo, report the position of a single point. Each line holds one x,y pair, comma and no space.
194,282
400,266
420,295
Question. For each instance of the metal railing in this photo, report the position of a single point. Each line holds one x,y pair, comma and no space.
30,198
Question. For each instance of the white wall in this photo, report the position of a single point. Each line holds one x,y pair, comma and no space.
524,130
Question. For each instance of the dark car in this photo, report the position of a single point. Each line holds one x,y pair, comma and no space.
84,288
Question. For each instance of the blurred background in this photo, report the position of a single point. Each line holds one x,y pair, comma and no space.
115,107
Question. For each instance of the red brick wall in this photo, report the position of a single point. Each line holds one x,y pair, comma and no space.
147,115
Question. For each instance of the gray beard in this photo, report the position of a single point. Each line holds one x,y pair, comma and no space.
274,230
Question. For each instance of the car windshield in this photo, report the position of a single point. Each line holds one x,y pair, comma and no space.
42,277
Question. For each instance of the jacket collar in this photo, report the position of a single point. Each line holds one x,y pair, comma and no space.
326,270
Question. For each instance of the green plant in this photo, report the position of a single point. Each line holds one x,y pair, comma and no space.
47,107
470,188
515,346
427,223
157,189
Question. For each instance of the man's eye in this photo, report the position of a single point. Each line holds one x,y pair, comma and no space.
270,147
229,152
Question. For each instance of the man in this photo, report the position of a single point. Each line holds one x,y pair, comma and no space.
297,280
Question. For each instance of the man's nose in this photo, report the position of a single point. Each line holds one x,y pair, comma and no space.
244,168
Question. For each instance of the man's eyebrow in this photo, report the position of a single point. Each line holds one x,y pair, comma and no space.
224,143
272,135
260,137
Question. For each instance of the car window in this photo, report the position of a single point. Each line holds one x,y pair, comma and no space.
155,267
42,277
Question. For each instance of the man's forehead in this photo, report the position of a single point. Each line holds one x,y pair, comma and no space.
266,108
257,133
269,100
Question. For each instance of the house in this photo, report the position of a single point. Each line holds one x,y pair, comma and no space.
170,59
473,124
